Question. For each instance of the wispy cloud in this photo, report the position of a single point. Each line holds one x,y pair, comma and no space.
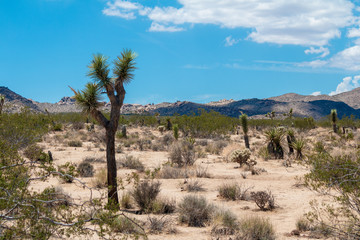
230,41
191,66
312,50
275,21
156,27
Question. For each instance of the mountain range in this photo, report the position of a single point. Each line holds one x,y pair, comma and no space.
346,103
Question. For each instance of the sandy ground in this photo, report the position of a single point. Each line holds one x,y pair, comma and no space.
291,198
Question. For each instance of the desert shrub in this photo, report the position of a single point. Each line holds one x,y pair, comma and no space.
157,225
145,193
35,153
202,172
167,139
57,197
303,224
100,179
168,172
216,147
275,137
163,206
264,153
350,136
125,201
131,162
75,143
93,160
304,123
319,147
195,211
202,142
234,192
68,172
264,200
224,223
123,224
85,169
23,129
195,186
338,177
255,228
57,127
78,125
182,153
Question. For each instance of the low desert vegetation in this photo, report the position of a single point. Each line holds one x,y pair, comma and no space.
192,177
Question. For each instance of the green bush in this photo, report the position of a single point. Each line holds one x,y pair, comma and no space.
145,193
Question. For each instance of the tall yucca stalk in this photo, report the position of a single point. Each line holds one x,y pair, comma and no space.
245,127
89,100
333,115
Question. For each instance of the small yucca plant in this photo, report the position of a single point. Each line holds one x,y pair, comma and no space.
299,146
275,136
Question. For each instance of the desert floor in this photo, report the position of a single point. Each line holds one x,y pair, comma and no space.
291,196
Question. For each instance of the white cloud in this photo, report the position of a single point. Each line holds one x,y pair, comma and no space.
156,27
299,22
348,59
353,32
316,93
230,41
347,84
312,50
122,9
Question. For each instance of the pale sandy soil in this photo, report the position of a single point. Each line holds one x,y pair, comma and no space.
292,199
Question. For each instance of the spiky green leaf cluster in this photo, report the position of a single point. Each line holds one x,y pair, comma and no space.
89,98
124,66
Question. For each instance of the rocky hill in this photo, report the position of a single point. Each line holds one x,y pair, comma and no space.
316,106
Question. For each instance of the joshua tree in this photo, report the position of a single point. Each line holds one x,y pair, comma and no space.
333,115
2,101
244,124
89,100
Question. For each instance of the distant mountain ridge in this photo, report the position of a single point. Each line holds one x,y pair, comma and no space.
303,105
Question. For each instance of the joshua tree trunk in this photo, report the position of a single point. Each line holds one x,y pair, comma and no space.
334,127
246,139
290,141
111,167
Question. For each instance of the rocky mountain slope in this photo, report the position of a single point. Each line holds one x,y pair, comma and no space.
316,106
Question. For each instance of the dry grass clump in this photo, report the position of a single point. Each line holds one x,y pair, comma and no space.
195,211
234,192
224,222
145,193
195,186
131,162
100,178
162,205
57,197
125,201
168,172
157,224
78,126
85,169
216,147
182,153
202,172
255,228
75,143
93,160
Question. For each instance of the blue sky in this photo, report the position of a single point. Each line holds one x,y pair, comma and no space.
194,50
